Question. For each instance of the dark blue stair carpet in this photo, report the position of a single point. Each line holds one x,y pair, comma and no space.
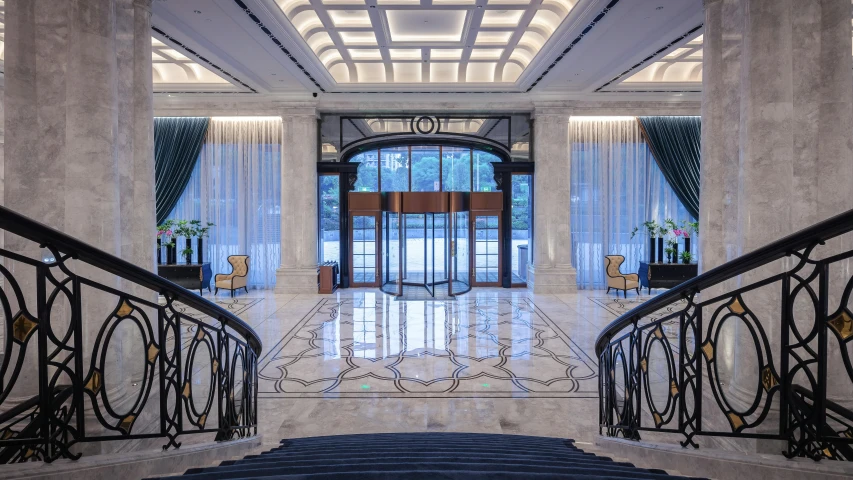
452,456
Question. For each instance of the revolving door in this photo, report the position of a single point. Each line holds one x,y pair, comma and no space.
424,242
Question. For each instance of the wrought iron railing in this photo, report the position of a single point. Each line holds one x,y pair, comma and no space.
97,349
758,348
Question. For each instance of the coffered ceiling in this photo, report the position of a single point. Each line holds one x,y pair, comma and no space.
413,42
549,47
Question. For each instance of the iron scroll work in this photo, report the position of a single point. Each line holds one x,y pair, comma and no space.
791,334
96,362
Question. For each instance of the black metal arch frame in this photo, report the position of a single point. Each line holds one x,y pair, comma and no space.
348,174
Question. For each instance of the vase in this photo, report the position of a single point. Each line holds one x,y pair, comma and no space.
674,253
159,252
189,256
660,250
171,255
685,261
200,253
686,244
651,250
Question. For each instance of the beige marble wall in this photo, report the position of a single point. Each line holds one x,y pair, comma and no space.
298,271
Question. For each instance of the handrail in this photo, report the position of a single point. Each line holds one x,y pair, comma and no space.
660,372
195,364
783,247
30,229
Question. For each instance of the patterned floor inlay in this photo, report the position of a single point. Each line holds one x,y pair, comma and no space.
377,347
621,306
235,305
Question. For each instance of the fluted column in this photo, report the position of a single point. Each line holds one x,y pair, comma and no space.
551,270
298,271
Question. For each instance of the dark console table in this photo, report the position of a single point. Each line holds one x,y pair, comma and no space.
665,275
187,275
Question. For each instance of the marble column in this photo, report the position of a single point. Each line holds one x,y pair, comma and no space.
298,271
75,143
135,154
551,269
777,117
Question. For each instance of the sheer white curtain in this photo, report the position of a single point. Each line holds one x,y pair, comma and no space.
236,184
616,185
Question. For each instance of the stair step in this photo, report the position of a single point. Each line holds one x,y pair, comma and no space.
346,469
284,464
433,456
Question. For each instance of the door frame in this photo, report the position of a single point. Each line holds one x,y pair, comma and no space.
472,242
377,280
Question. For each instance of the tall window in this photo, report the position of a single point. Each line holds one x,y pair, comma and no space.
425,168
236,184
615,186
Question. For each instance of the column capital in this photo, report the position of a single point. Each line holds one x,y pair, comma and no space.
298,111
706,3
143,4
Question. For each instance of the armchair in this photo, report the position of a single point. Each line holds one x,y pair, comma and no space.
618,280
237,278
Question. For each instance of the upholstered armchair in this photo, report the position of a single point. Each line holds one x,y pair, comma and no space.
618,280
238,276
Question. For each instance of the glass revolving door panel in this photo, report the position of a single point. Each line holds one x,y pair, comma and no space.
459,254
391,281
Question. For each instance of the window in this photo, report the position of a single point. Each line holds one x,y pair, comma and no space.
424,168
426,165
456,169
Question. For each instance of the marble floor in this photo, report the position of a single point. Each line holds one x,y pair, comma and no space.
493,360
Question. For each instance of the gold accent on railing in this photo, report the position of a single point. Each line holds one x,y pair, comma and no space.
186,392
736,421
842,324
127,423
644,365
658,419
22,327
658,332
94,383
736,307
202,419
768,380
827,452
708,350
215,365
124,310
152,352
7,433
673,389
200,334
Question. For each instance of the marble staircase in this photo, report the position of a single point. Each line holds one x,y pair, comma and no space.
424,456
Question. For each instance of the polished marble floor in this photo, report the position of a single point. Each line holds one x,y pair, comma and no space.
494,360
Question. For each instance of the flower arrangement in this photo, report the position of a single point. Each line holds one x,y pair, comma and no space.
651,228
171,229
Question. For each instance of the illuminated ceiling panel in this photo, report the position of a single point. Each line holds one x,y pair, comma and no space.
682,65
172,69
442,41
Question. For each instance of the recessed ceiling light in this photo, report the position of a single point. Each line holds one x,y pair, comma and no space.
198,12
659,8
273,74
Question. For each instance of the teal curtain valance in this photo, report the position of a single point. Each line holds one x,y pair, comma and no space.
177,144
675,144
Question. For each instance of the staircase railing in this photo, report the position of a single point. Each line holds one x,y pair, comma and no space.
127,357
759,354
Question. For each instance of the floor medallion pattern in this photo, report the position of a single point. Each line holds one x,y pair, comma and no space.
377,347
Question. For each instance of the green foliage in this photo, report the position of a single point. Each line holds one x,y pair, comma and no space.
686,257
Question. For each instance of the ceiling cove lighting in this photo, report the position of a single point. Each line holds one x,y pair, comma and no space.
446,41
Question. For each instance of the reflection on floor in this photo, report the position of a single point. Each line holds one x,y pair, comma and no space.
493,361
472,347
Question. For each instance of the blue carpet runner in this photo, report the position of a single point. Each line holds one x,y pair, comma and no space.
418,456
